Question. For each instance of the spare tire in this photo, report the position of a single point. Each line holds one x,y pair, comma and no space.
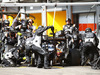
75,57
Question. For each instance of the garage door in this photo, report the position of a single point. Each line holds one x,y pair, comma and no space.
86,20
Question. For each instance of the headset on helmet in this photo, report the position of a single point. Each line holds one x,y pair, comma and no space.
68,20
40,26
88,30
30,20
19,22
6,22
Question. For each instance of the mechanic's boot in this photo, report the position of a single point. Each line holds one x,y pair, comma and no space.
46,63
27,61
47,67
39,62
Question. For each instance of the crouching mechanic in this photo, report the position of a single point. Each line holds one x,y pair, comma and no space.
89,50
34,44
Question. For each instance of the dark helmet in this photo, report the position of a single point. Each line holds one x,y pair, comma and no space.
24,22
68,20
6,22
30,21
27,22
88,30
19,22
40,26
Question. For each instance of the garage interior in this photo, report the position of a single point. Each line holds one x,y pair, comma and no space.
83,16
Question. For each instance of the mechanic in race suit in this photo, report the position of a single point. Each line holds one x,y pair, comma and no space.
89,49
31,27
22,34
34,44
5,30
69,29
9,39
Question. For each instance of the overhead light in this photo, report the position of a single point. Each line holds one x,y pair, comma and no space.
31,7
35,0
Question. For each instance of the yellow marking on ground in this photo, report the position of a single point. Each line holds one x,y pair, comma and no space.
52,67
22,67
58,67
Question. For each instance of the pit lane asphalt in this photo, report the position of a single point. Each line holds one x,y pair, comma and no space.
56,70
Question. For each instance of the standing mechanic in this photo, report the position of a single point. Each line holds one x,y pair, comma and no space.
69,29
31,27
9,37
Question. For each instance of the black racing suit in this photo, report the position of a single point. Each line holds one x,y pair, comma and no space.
38,49
75,41
9,40
89,49
68,32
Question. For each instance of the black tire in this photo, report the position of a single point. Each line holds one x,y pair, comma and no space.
75,57
63,63
9,63
39,66
34,63
50,62
0,58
